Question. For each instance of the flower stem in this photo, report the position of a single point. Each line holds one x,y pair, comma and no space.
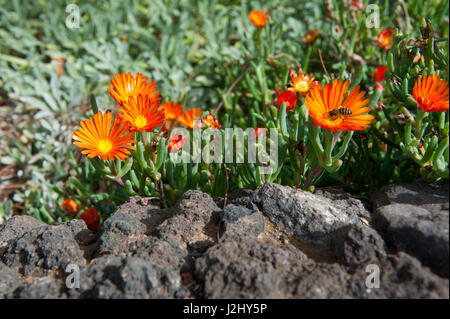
313,174
306,62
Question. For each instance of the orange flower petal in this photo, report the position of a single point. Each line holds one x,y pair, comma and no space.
431,93
126,85
141,113
70,206
258,18
187,118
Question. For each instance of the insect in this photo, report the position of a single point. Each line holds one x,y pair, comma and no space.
334,114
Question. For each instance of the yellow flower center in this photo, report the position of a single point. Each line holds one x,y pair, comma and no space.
104,146
302,86
140,122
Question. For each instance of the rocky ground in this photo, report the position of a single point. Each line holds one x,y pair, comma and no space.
275,242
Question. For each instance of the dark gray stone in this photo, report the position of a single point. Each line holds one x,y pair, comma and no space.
345,201
243,221
322,281
310,216
165,253
145,252
220,201
131,222
117,232
16,226
126,277
9,280
45,249
241,197
194,222
127,233
142,209
417,231
122,223
41,288
401,277
358,244
243,267
432,197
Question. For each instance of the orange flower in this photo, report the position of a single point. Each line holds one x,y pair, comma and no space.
310,37
379,73
176,143
211,121
100,138
301,83
188,118
385,38
141,114
70,206
172,110
331,108
258,18
91,217
431,93
288,97
125,85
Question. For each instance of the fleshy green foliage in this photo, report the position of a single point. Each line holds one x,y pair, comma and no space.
207,54
425,135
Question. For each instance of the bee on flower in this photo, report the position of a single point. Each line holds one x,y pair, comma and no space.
259,18
331,107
